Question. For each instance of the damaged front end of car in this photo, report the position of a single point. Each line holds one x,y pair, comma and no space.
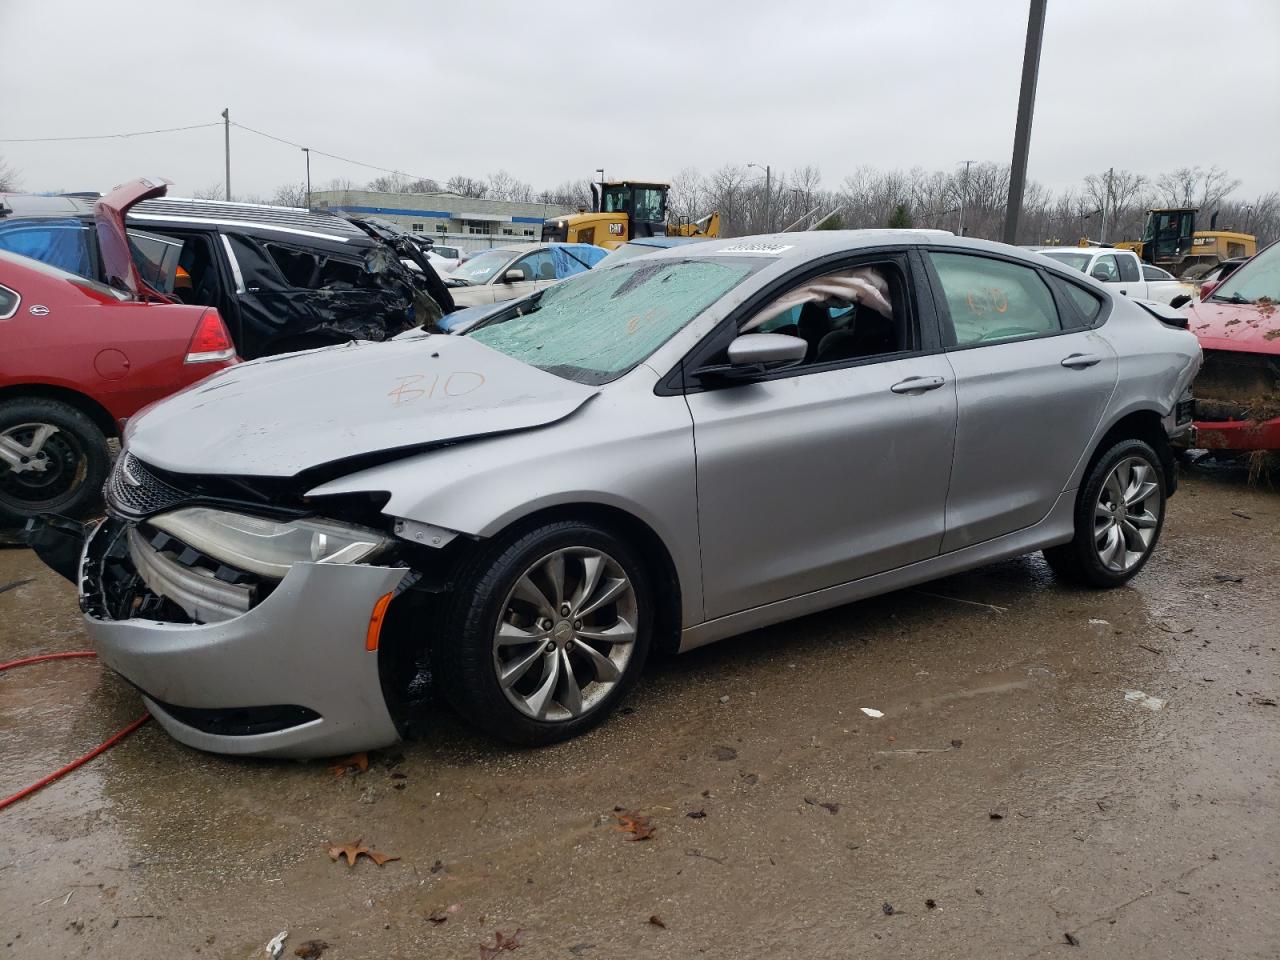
253,620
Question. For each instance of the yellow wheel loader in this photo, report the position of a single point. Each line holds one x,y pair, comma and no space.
623,210
1170,240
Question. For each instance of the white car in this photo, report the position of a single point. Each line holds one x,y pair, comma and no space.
1131,276
505,273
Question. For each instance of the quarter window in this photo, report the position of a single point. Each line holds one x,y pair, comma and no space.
9,301
994,300
1089,304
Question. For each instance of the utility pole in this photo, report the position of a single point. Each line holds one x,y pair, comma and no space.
1107,205
964,196
226,136
1026,105
307,151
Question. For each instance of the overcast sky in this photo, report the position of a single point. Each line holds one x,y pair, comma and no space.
552,90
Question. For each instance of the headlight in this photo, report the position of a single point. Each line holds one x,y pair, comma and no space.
268,547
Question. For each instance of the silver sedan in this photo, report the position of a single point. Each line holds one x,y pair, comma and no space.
656,456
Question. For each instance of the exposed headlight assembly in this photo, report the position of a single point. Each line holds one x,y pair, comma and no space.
269,547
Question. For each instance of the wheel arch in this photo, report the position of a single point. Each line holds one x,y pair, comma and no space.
1147,425
653,550
91,408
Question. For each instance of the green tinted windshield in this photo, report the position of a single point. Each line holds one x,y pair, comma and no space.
1257,279
597,326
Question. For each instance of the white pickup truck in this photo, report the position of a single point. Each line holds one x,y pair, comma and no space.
1131,276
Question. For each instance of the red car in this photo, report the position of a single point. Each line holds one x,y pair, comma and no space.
1238,389
76,359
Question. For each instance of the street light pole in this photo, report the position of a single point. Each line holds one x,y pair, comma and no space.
307,151
768,194
226,136
1026,105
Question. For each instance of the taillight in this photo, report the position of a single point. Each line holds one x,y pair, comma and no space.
211,341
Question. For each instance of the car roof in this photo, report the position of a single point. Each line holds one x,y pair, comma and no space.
663,242
179,210
815,243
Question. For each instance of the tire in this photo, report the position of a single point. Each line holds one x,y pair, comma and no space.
494,594
1096,557
74,456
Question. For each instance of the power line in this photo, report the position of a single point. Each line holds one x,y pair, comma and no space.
331,156
108,136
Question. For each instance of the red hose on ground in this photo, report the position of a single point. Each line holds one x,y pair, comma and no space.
45,781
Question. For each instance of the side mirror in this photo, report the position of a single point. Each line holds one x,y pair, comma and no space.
1101,273
1207,288
514,275
753,354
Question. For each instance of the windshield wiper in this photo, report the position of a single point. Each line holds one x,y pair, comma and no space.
1234,298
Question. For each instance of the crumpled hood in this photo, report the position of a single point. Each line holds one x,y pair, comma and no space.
1241,327
278,416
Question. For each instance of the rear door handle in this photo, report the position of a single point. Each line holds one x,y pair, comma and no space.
1078,361
917,384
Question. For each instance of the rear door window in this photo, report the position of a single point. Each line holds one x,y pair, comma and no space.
994,300
1105,269
61,242
156,257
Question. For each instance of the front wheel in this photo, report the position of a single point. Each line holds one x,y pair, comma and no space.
1118,518
547,634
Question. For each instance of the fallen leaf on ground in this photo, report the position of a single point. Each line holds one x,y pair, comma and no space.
696,814
438,917
1228,578
352,851
657,921
887,907
13,584
999,812
311,950
931,904
356,763
635,824
501,943
1241,514
1072,939
1173,626
724,753
1264,701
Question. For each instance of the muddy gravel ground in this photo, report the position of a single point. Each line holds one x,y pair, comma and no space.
1011,802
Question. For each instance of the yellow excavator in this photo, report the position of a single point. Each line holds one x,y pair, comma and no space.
623,210
1170,240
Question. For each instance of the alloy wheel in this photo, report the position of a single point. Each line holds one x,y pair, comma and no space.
1127,514
566,634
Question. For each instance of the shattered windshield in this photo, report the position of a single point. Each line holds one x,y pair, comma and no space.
597,326
1079,261
481,269
1256,280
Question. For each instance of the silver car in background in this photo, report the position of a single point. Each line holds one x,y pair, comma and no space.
659,455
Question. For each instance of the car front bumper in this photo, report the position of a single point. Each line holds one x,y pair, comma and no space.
289,678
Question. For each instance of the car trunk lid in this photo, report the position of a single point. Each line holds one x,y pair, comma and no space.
109,214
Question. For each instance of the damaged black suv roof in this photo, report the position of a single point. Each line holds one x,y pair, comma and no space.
283,278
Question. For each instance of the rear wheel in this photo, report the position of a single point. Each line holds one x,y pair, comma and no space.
547,634
1118,519
53,459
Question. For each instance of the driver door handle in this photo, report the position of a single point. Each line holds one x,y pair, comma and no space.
917,384
1078,361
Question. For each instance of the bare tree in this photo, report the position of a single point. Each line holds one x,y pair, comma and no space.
505,186
467,186
1195,187
8,177
575,194
399,183
212,192
289,195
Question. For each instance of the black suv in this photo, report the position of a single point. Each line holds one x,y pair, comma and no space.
284,279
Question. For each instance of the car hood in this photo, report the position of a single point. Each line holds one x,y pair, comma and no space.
113,238
280,416
1243,327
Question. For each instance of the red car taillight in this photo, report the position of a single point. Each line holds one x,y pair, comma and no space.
211,341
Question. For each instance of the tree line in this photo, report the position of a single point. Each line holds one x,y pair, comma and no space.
969,197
